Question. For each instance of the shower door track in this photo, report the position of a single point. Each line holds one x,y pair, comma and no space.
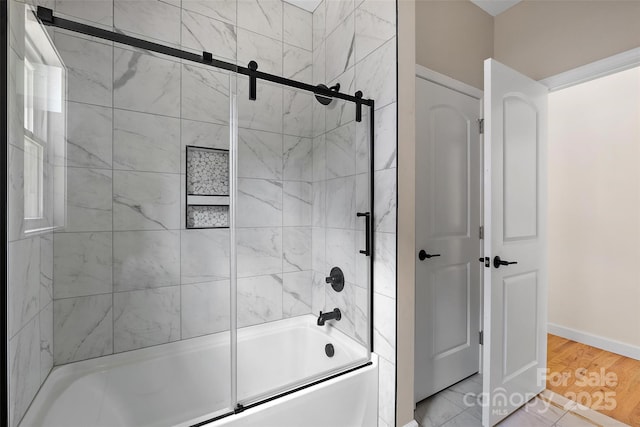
46,17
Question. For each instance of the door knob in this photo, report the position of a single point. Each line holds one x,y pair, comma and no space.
423,255
497,262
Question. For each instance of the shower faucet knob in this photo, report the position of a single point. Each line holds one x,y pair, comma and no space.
336,279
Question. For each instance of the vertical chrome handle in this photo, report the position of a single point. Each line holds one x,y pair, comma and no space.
367,226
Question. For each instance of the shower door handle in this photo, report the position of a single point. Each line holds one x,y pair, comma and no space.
367,227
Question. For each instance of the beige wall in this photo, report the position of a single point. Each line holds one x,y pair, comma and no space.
542,38
594,207
539,38
453,37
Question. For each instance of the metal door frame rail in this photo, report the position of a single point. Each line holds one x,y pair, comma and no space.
46,17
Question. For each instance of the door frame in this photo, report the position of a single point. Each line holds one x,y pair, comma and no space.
465,89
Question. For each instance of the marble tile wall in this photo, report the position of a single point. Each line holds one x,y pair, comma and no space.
354,44
127,274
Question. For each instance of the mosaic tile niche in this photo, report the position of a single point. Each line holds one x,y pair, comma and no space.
208,176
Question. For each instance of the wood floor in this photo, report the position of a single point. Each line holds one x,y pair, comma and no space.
590,387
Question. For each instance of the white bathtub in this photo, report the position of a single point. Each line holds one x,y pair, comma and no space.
187,382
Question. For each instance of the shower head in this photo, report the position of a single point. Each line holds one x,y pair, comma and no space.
325,100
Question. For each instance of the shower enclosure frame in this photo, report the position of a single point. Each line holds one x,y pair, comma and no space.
4,292
46,17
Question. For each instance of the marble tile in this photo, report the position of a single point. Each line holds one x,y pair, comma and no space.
362,198
465,419
297,203
539,407
384,332
298,159
318,298
46,341
341,112
151,18
46,270
24,370
89,136
261,16
145,142
341,203
88,199
259,251
259,203
15,190
259,154
375,74
259,299
205,94
89,69
436,410
522,418
146,201
145,83
202,33
341,252
145,259
205,308
337,11
385,201
319,18
318,250
98,11
265,113
340,45
204,255
24,282
296,295
385,137
296,26
345,301
341,151
266,51
296,249
361,315
201,134
384,264
297,64
319,204
82,264
319,159
83,328
298,114
145,318
223,10
375,24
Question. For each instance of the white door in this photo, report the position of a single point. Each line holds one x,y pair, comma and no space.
448,204
515,305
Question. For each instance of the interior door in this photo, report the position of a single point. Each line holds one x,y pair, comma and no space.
515,291
448,206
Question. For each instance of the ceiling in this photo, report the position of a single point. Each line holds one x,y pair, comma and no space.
495,7
492,7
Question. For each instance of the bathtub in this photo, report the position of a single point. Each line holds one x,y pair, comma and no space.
188,382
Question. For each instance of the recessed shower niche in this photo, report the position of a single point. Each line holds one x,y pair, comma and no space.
207,183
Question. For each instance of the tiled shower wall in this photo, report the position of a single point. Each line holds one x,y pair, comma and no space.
354,43
126,272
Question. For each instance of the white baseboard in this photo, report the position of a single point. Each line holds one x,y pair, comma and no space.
412,423
607,344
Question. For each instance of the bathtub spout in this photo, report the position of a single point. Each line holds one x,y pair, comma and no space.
330,315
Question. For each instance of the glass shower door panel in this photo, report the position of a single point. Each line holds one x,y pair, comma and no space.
299,189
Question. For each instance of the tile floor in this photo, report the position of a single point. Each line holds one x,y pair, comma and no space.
457,407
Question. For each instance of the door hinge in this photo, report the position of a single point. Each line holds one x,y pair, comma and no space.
481,125
481,232
481,337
